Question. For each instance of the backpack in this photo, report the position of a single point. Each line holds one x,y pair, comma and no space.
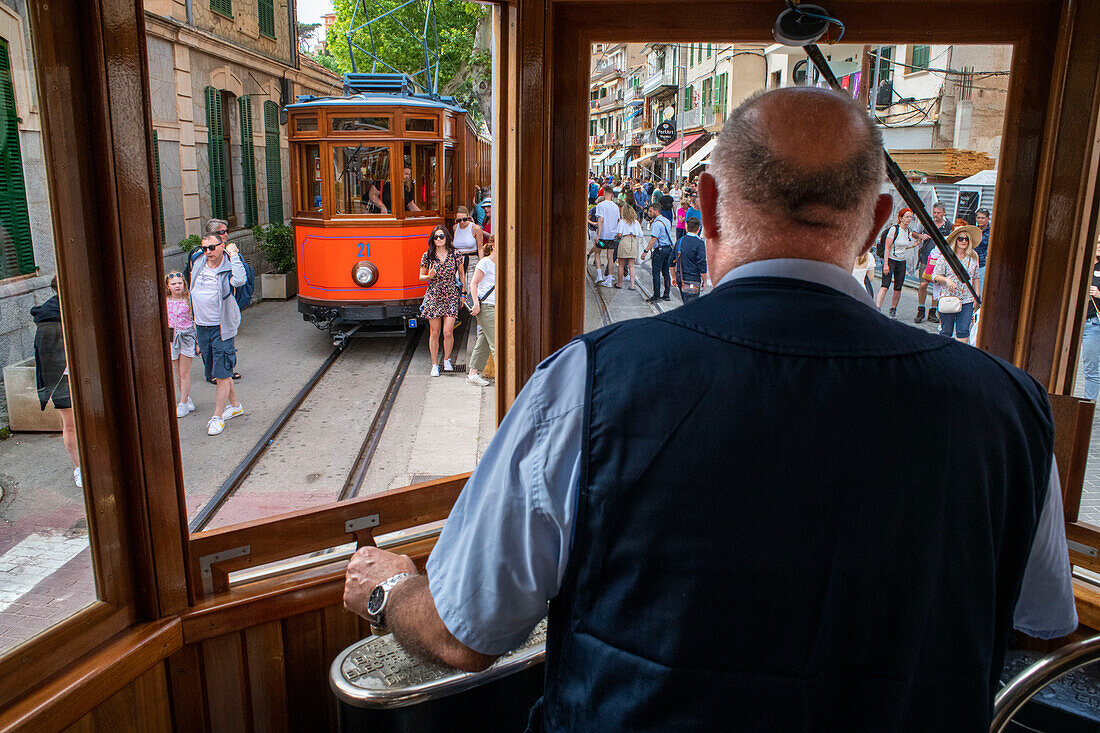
242,293
593,189
880,249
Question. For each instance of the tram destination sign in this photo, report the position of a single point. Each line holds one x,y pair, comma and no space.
666,131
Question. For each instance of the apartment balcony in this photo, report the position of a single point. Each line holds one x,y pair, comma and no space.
692,118
630,94
659,82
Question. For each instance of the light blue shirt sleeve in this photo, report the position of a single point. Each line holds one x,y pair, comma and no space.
1045,608
504,548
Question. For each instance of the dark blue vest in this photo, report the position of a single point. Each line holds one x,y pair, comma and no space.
771,536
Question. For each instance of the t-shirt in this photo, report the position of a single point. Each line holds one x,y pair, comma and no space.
693,214
609,210
1096,282
860,273
899,250
662,230
206,297
624,229
488,280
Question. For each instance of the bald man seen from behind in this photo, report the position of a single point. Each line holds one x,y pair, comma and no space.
760,552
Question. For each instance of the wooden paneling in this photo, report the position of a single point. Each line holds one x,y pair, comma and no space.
308,697
267,676
228,702
141,706
1072,433
186,686
85,685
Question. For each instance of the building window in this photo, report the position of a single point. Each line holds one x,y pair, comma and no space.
710,50
160,199
267,18
248,162
274,162
16,249
706,91
687,97
691,54
603,92
921,57
592,128
225,7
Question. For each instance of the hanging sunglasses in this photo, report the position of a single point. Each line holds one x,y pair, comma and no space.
174,274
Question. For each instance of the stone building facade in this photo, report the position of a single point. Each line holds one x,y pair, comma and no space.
242,55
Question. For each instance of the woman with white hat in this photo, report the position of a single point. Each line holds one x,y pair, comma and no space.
956,301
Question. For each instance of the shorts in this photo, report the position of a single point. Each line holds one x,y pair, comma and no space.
897,274
605,243
184,343
219,356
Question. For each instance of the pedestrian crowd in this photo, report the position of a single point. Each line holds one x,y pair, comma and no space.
444,268
632,219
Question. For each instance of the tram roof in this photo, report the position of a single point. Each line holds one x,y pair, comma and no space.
376,100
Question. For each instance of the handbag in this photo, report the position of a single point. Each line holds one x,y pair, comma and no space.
950,304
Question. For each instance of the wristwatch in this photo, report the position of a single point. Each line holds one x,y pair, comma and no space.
376,603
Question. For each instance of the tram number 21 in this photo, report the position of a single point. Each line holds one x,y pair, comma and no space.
364,249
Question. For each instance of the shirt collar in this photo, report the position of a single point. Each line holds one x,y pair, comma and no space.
822,273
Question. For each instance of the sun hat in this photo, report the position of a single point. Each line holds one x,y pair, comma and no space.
970,230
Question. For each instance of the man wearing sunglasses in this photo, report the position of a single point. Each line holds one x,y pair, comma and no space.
217,318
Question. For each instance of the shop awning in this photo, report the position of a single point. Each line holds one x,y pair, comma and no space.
602,156
643,158
672,150
700,158
617,157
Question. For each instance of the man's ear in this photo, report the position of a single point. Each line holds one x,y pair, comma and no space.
708,206
883,208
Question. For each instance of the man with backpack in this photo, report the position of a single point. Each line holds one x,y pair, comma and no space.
217,318
241,293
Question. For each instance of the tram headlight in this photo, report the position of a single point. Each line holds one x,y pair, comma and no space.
364,274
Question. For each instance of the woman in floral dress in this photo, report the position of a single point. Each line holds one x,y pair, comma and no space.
442,268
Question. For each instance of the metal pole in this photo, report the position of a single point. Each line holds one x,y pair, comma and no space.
904,187
679,111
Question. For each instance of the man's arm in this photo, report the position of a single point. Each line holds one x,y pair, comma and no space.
237,275
410,611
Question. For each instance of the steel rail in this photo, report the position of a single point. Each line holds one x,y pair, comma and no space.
601,304
358,472
1035,677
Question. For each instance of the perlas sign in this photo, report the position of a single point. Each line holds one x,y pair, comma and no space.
665,132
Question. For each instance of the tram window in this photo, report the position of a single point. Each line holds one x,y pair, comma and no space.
309,180
421,176
46,561
419,124
305,124
448,179
361,178
360,124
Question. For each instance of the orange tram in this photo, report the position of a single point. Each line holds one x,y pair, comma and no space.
372,172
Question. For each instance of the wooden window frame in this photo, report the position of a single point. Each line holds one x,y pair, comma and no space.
248,162
265,14
273,163
330,116
334,216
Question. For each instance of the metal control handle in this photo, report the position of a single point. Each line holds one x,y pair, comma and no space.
1047,670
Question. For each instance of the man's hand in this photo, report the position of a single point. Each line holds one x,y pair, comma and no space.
1094,291
231,248
368,567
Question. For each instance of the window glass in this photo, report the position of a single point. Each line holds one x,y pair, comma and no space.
46,562
361,178
448,179
360,124
305,124
309,179
420,124
420,175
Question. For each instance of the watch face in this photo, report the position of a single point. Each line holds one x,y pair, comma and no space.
374,603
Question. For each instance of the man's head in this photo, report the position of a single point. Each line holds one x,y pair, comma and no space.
608,193
981,218
408,175
938,212
796,173
692,225
213,247
219,227
654,210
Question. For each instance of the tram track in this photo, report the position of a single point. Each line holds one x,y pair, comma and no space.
356,475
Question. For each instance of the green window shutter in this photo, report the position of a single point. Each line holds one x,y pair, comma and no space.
921,55
219,201
274,163
225,7
248,162
16,248
267,17
160,199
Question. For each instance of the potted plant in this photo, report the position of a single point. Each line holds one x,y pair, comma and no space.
276,243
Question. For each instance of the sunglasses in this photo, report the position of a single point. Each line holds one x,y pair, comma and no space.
209,247
439,235
174,274
962,239
222,232
464,219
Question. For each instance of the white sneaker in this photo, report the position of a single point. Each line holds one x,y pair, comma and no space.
435,370
478,380
608,281
190,405
215,426
232,411
181,410
448,366
78,478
